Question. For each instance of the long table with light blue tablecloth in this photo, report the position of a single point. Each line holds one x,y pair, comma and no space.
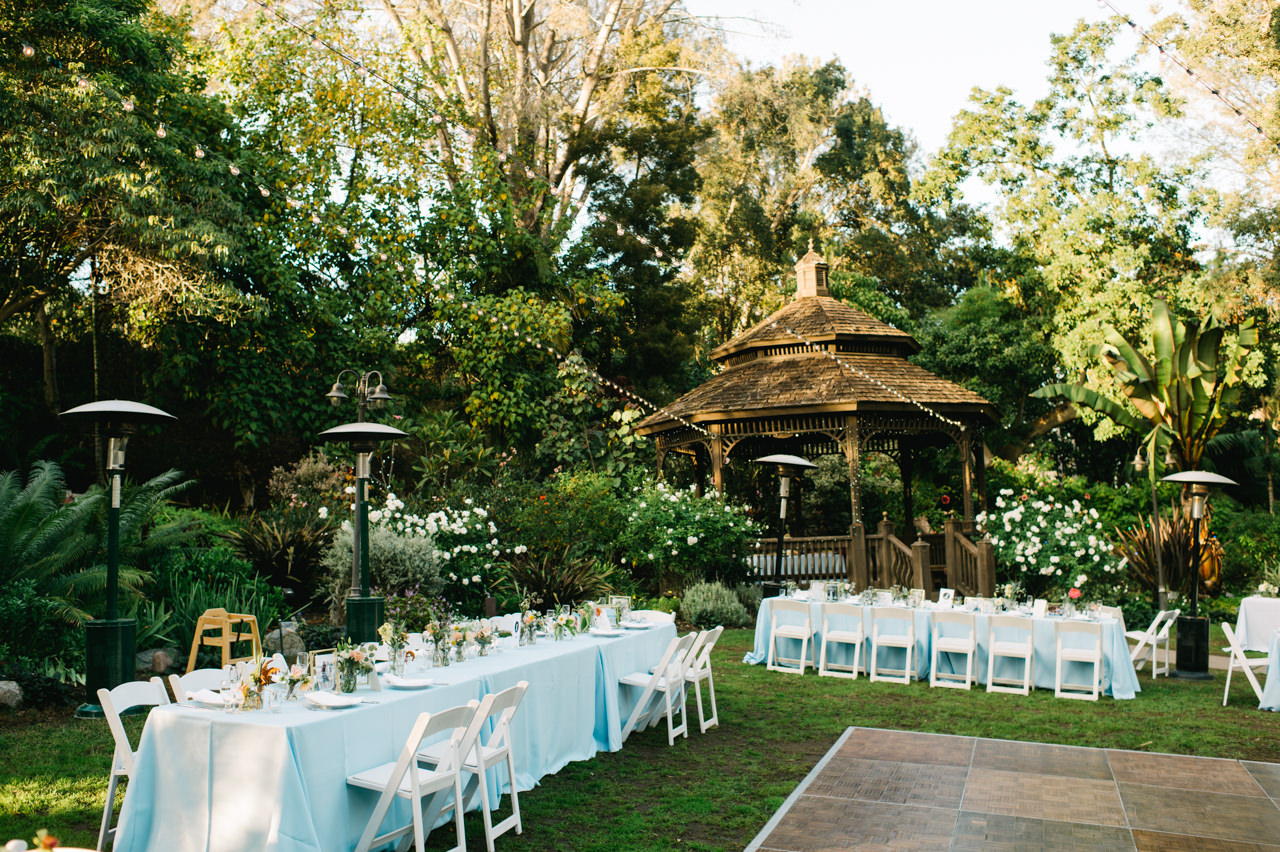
208,781
1271,689
1119,680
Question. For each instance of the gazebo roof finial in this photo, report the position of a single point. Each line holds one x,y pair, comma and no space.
811,275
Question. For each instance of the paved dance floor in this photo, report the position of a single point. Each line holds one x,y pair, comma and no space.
906,791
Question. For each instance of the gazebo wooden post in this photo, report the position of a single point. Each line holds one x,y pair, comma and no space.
716,446
906,468
966,473
980,472
699,473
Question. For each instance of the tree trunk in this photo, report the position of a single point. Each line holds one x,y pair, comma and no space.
49,350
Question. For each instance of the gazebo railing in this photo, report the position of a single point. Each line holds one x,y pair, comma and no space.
969,566
806,558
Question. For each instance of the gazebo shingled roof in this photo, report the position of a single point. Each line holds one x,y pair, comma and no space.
778,393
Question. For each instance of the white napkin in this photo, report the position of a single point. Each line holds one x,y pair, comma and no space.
331,699
207,696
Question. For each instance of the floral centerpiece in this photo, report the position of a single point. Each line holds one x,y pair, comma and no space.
263,674
396,638
485,635
563,625
459,639
353,661
528,627
297,680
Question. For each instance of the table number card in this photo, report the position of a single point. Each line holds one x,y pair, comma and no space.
945,597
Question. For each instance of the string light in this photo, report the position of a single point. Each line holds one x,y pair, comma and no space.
128,105
160,131
199,153
1190,72
27,50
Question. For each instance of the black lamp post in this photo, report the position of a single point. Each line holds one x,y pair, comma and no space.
109,641
788,467
1193,631
364,611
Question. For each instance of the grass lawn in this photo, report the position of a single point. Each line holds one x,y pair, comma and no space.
712,791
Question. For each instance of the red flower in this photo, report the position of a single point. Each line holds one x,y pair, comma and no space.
1073,594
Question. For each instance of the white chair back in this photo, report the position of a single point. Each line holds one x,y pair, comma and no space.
185,685
115,701
699,670
953,642
841,625
904,639
1240,662
667,679
1089,653
1150,640
789,619
654,616
1021,647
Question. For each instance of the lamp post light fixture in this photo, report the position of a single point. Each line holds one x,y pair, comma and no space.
364,610
1193,631
109,641
789,467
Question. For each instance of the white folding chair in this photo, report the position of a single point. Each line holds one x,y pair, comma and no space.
406,780
654,616
489,754
1113,612
1242,662
1022,648
114,702
667,679
841,636
194,681
1090,653
802,632
698,669
1150,640
904,640
953,643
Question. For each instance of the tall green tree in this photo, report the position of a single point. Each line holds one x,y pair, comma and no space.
86,175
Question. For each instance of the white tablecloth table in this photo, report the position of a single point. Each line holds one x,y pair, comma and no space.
1271,689
208,781
1257,622
1119,680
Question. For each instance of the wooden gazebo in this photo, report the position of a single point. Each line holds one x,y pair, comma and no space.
819,377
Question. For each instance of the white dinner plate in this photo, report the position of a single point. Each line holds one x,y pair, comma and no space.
637,625
602,631
407,682
332,700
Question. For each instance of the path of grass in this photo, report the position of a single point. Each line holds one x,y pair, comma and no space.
713,791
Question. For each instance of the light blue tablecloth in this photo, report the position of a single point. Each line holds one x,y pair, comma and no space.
1119,680
207,781
1271,689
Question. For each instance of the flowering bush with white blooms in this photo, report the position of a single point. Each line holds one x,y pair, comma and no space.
472,552
679,538
1051,546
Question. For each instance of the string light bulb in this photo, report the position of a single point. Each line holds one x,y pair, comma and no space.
265,192
199,153
161,132
27,50
234,169
83,82
128,105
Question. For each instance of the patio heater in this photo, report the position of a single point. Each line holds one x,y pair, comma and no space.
109,641
789,467
364,611
1193,632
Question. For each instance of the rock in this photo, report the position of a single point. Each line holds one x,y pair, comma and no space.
292,647
163,660
10,694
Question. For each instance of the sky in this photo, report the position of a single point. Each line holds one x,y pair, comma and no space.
918,59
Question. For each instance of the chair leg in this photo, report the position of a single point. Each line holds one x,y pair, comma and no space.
106,831
1230,667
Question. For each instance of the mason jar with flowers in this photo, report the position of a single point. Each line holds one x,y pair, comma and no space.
528,627
562,626
353,661
395,638
263,674
461,636
484,638
297,680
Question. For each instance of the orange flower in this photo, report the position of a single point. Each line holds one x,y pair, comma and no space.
44,840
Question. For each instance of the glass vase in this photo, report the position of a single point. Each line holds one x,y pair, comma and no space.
460,652
347,679
252,700
441,657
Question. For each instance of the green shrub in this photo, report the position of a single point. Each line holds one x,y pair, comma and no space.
286,549
750,596
1250,542
189,581
558,579
397,561
707,605
667,602
674,537
576,512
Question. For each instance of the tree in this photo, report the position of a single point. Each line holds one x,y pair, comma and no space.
1102,228
1180,396
87,175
